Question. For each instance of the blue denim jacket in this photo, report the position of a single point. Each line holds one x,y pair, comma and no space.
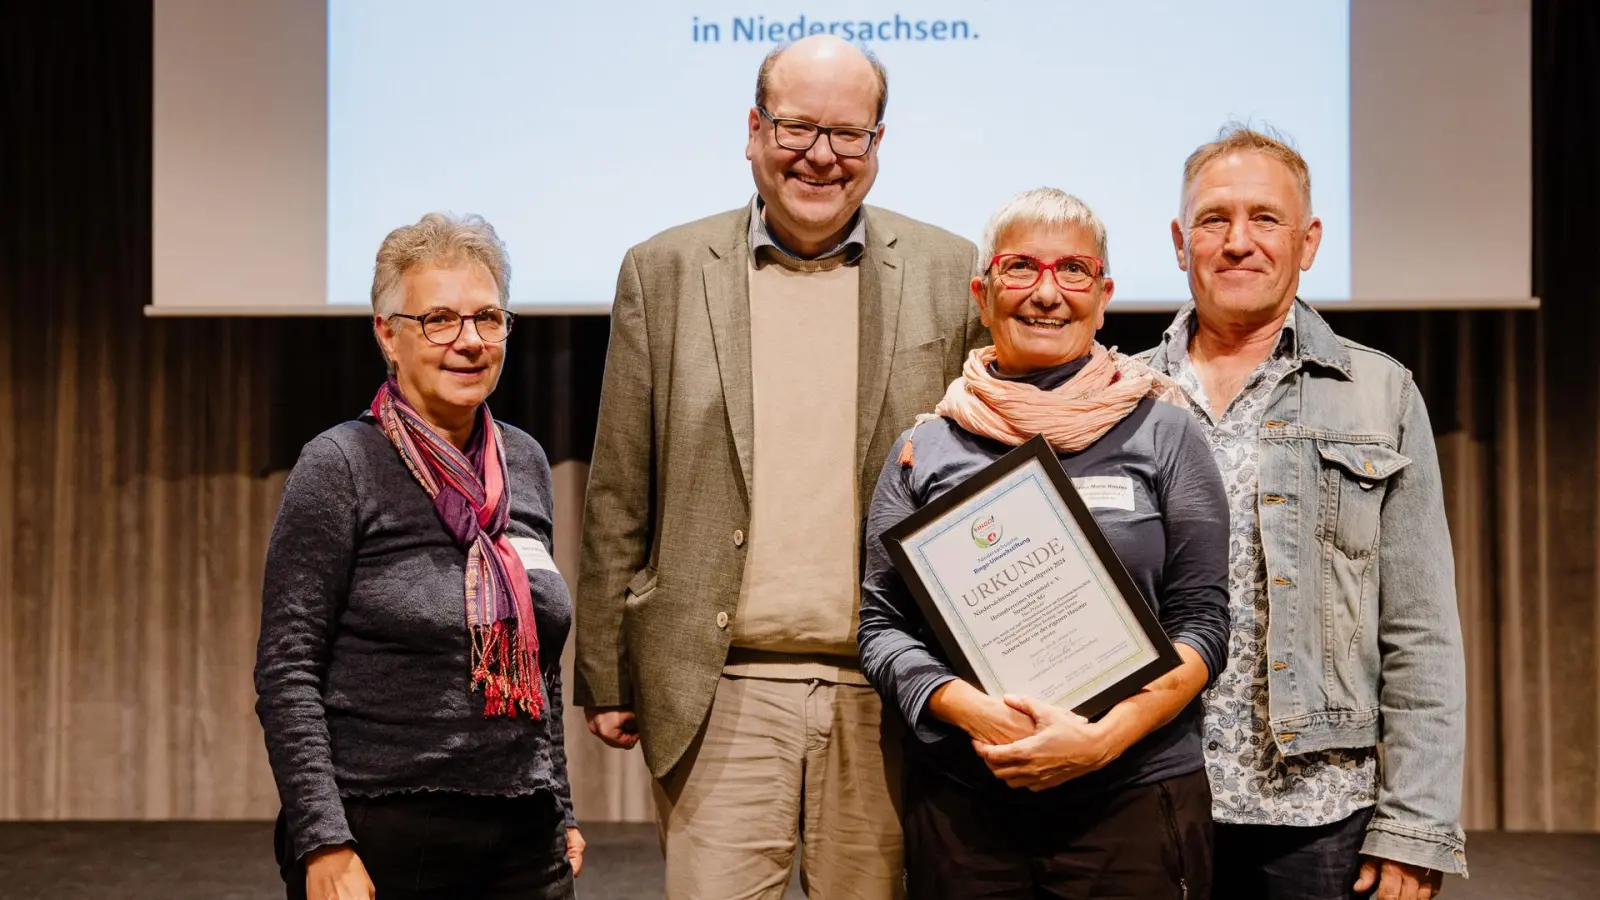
1364,637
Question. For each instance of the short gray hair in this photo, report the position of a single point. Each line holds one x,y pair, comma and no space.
1044,206
1240,137
441,238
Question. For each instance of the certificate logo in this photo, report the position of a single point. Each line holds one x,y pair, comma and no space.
986,532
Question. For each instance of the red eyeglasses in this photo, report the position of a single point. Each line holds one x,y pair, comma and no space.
1020,271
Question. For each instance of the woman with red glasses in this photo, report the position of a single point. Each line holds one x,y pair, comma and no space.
1014,797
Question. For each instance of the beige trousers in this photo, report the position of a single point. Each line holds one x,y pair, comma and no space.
778,762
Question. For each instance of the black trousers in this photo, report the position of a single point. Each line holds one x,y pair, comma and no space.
434,845
1286,862
1150,842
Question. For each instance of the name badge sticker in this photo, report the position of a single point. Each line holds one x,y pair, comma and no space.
1106,491
534,556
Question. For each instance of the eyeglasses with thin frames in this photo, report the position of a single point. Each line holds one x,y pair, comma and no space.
443,326
800,136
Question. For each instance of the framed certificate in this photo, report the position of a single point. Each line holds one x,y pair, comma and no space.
1024,592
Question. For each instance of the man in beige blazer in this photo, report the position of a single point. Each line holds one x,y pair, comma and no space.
762,361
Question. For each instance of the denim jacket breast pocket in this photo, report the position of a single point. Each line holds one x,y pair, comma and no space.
1354,481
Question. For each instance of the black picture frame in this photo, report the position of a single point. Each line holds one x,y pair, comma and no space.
1143,611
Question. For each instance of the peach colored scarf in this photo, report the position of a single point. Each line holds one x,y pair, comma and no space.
1071,417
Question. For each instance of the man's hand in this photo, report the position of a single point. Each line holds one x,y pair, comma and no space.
575,847
336,873
615,725
984,718
1397,880
1065,746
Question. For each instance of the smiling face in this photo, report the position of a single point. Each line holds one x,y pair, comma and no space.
445,382
1244,237
1043,326
811,195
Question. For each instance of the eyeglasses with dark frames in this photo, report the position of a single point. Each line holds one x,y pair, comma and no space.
1020,271
443,326
799,135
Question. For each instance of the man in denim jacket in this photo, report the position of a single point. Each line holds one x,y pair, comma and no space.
1334,736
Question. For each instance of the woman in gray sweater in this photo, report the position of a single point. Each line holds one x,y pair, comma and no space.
408,673
1012,797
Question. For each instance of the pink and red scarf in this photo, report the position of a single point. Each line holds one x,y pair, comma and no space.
469,493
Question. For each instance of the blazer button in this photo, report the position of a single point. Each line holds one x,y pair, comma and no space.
722,620
738,537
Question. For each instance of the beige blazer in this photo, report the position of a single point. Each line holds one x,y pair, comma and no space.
669,484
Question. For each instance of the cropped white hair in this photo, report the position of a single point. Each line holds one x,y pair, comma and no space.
1045,207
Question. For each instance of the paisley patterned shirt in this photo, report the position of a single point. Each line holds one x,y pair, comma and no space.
1251,782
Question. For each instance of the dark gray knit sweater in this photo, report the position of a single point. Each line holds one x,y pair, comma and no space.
362,671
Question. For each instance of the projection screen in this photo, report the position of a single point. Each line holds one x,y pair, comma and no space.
291,135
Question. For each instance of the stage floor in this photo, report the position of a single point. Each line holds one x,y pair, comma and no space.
233,861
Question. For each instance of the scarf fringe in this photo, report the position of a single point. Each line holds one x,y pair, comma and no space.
907,458
506,674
